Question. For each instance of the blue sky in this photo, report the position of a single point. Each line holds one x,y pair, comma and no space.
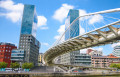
51,15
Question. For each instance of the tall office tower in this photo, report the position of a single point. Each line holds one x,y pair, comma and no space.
5,52
27,41
116,51
73,30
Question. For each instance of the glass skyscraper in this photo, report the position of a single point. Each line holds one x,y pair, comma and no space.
74,57
27,41
29,20
73,30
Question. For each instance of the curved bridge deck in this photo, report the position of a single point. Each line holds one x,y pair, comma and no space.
90,39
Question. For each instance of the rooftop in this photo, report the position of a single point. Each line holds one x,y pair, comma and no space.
3,43
112,56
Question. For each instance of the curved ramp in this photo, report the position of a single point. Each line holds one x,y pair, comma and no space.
93,38
81,42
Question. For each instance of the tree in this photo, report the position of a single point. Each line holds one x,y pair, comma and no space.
27,65
14,65
31,65
118,66
3,65
113,65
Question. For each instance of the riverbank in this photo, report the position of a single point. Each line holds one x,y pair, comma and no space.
33,74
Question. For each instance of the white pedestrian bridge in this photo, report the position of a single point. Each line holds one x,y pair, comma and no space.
105,34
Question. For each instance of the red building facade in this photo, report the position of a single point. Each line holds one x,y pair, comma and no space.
5,52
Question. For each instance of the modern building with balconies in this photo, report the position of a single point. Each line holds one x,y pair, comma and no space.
17,55
76,58
116,51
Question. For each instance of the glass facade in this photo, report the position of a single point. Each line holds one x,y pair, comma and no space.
28,40
17,55
83,59
116,51
29,20
73,30
76,58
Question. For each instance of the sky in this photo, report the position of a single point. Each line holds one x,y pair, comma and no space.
51,19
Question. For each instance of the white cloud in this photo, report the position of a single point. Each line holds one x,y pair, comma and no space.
46,44
99,49
14,11
91,19
60,31
95,19
115,44
82,12
83,51
42,22
44,27
57,37
61,13
82,30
